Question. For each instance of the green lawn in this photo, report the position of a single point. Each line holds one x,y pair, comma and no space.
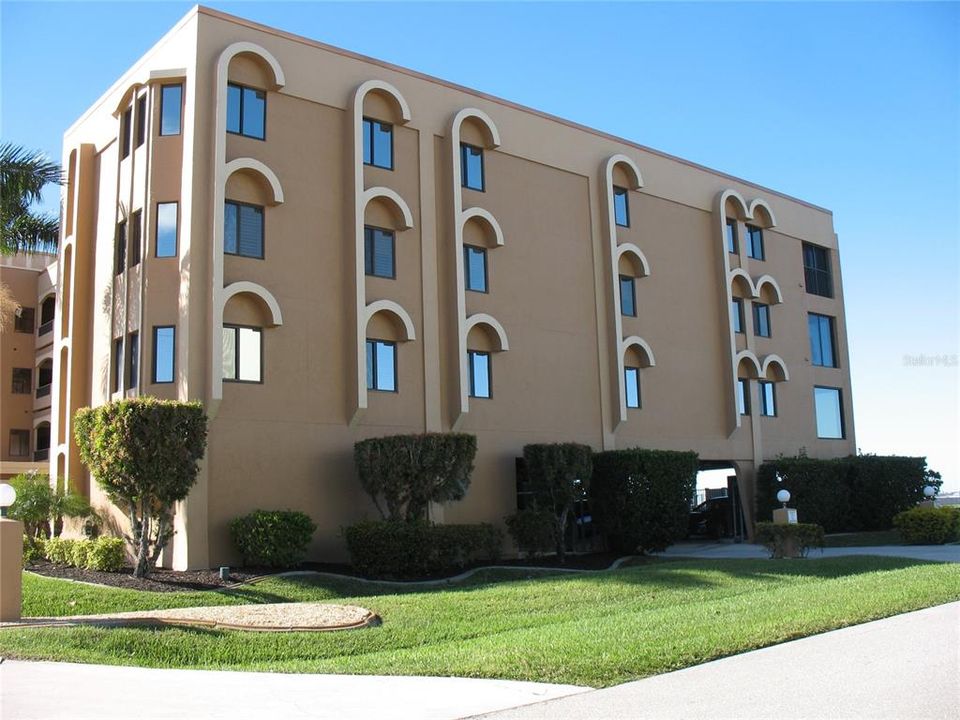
587,629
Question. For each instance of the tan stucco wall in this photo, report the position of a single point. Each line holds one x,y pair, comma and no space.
287,443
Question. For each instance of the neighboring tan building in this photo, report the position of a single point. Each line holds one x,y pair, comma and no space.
323,247
26,364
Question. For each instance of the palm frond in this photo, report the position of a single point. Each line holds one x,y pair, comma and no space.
30,233
23,174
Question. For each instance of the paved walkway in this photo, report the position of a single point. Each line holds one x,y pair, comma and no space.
939,553
63,691
907,666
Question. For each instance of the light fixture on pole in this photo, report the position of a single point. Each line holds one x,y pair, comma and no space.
7,497
929,491
783,497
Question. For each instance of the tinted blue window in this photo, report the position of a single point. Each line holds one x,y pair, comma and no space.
479,363
755,242
743,397
471,166
761,319
475,261
246,111
381,365
732,236
243,229
628,297
163,354
829,413
631,383
171,97
117,364
736,315
378,252
621,208
768,399
821,340
234,100
378,143
166,245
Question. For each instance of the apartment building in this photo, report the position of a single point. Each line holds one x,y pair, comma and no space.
323,247
26,364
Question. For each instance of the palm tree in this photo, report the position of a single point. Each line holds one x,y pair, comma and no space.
23,174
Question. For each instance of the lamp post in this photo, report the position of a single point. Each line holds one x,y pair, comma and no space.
11,558
930,493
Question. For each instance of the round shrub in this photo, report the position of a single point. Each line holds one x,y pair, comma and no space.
779,538
33,549
928,526
272,538
60,550
105,554
77,556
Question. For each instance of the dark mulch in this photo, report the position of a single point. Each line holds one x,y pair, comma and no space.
162,580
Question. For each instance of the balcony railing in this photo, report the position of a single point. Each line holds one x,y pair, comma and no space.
43,390
45,328
40,455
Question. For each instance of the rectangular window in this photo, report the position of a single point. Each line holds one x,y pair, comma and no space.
768,399
136,223
621,207
19,443
243,229
471,167
829,411
761,320
133,360
816,270
242,353
743,396
475,265
164,353
23,323
378,255
631,386
171,98
166,240
628,296
736,315
821,340
732,236
121,247
117,369
755,242
141,119
377,144
479,364
246,111
22,381
126,134
381,365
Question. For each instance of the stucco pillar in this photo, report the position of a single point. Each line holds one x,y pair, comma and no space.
11,567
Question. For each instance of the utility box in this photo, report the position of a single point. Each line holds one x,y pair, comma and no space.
785,516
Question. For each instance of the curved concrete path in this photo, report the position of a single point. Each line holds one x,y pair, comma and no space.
907,666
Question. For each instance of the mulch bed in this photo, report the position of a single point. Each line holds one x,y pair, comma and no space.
162,580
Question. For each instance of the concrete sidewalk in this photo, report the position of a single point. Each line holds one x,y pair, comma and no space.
907,666
937,553
54,691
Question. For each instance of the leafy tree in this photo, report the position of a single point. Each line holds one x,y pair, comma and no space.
23,175
408,472
559,477
143,453
41,509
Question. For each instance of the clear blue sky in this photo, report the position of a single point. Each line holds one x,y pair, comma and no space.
855,107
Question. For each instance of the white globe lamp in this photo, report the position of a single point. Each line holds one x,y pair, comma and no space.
7,497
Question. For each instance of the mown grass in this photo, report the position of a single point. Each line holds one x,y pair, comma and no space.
585,629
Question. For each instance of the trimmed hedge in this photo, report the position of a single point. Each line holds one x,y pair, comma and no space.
273,538
928,525
532,530
400,549
33,549
105,553
640,499
559,476
408,472
851,494
777,537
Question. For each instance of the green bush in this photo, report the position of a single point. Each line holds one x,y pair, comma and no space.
105,554
60,550
640,499
273,538
77,556
778,537
41,508
852,494
532,531
559,476
408,472
33,549
401,549
928,526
